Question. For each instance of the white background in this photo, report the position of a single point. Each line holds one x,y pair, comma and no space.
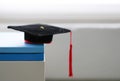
59,10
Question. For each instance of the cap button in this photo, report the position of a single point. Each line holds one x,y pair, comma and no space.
41,27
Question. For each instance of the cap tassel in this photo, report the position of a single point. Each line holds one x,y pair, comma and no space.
70,57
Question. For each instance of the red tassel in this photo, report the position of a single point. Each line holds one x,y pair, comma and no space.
70,57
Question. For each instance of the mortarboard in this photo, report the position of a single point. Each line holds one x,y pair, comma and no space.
42,33
39,33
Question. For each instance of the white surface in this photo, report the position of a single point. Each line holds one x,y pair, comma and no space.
96,55
12,40
21,71
72,26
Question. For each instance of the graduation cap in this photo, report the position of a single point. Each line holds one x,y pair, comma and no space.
41,33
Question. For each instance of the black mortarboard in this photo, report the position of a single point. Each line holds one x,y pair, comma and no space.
41,33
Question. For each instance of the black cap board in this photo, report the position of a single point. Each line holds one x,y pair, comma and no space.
39,33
